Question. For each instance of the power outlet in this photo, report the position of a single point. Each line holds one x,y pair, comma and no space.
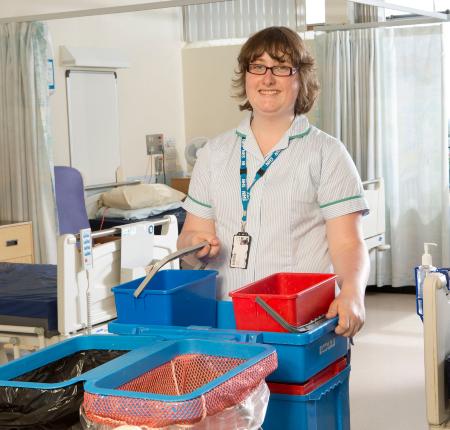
154,143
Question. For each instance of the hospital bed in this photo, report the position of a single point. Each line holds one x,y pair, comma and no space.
374,225
93,194
58,307
436,322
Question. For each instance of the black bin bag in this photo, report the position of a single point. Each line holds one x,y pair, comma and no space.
27,408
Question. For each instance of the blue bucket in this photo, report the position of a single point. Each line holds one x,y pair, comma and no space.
172,297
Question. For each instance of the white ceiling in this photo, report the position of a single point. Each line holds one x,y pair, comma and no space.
9,8
15,8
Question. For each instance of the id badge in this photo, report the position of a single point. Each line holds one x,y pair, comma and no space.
240,250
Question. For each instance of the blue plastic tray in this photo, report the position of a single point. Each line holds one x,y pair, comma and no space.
52,353
145,353
172,297
300,356
162,352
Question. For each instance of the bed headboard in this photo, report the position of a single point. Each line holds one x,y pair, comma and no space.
374,224
72,278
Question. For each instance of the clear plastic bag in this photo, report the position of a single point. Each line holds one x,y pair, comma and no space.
247,415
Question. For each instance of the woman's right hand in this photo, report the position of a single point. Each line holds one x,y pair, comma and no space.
210,250
197,230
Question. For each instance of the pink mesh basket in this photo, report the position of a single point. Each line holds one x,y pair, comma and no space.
182,390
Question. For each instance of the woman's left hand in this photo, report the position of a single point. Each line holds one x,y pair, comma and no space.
350,309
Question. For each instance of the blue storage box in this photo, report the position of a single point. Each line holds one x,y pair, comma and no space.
300,356
325,408
172,297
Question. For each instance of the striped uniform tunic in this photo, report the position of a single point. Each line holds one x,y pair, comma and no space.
312,180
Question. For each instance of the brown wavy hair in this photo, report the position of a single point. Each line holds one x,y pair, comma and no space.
283,45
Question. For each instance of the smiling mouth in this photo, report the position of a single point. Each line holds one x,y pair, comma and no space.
268,92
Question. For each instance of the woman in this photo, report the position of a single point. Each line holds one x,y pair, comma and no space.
277,194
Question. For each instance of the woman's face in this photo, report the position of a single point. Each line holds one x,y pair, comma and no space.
271,95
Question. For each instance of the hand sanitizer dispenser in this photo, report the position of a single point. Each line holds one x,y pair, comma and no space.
421,273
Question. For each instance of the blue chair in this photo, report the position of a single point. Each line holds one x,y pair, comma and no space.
70,203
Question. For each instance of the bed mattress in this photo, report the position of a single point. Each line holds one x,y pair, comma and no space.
28,296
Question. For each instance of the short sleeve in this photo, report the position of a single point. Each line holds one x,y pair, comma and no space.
340,189
198,201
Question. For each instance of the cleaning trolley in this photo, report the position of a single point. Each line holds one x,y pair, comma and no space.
177,358
309,388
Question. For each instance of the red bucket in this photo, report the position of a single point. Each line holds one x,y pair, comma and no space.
297,297
311,384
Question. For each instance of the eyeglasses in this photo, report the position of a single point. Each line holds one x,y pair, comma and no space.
261,69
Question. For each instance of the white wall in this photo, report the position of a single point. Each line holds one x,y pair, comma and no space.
207,73
150,92
338,11
181,92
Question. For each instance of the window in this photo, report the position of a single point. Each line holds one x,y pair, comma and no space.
315,12
240,18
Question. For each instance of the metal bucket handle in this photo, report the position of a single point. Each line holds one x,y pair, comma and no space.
289,327
174,255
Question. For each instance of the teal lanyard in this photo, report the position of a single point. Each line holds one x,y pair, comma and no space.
245,192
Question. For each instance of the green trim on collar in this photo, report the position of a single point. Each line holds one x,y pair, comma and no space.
198,202
241,134
300,135
340,201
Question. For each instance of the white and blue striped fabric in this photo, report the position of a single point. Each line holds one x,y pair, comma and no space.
312,180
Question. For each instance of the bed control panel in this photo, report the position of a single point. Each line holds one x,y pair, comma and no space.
86,248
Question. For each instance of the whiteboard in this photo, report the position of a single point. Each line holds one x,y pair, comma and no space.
93,124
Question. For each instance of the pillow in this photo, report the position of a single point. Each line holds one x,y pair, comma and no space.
134,214
91,202
140,196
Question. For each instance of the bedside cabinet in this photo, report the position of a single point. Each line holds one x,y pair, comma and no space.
16,242
180,184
